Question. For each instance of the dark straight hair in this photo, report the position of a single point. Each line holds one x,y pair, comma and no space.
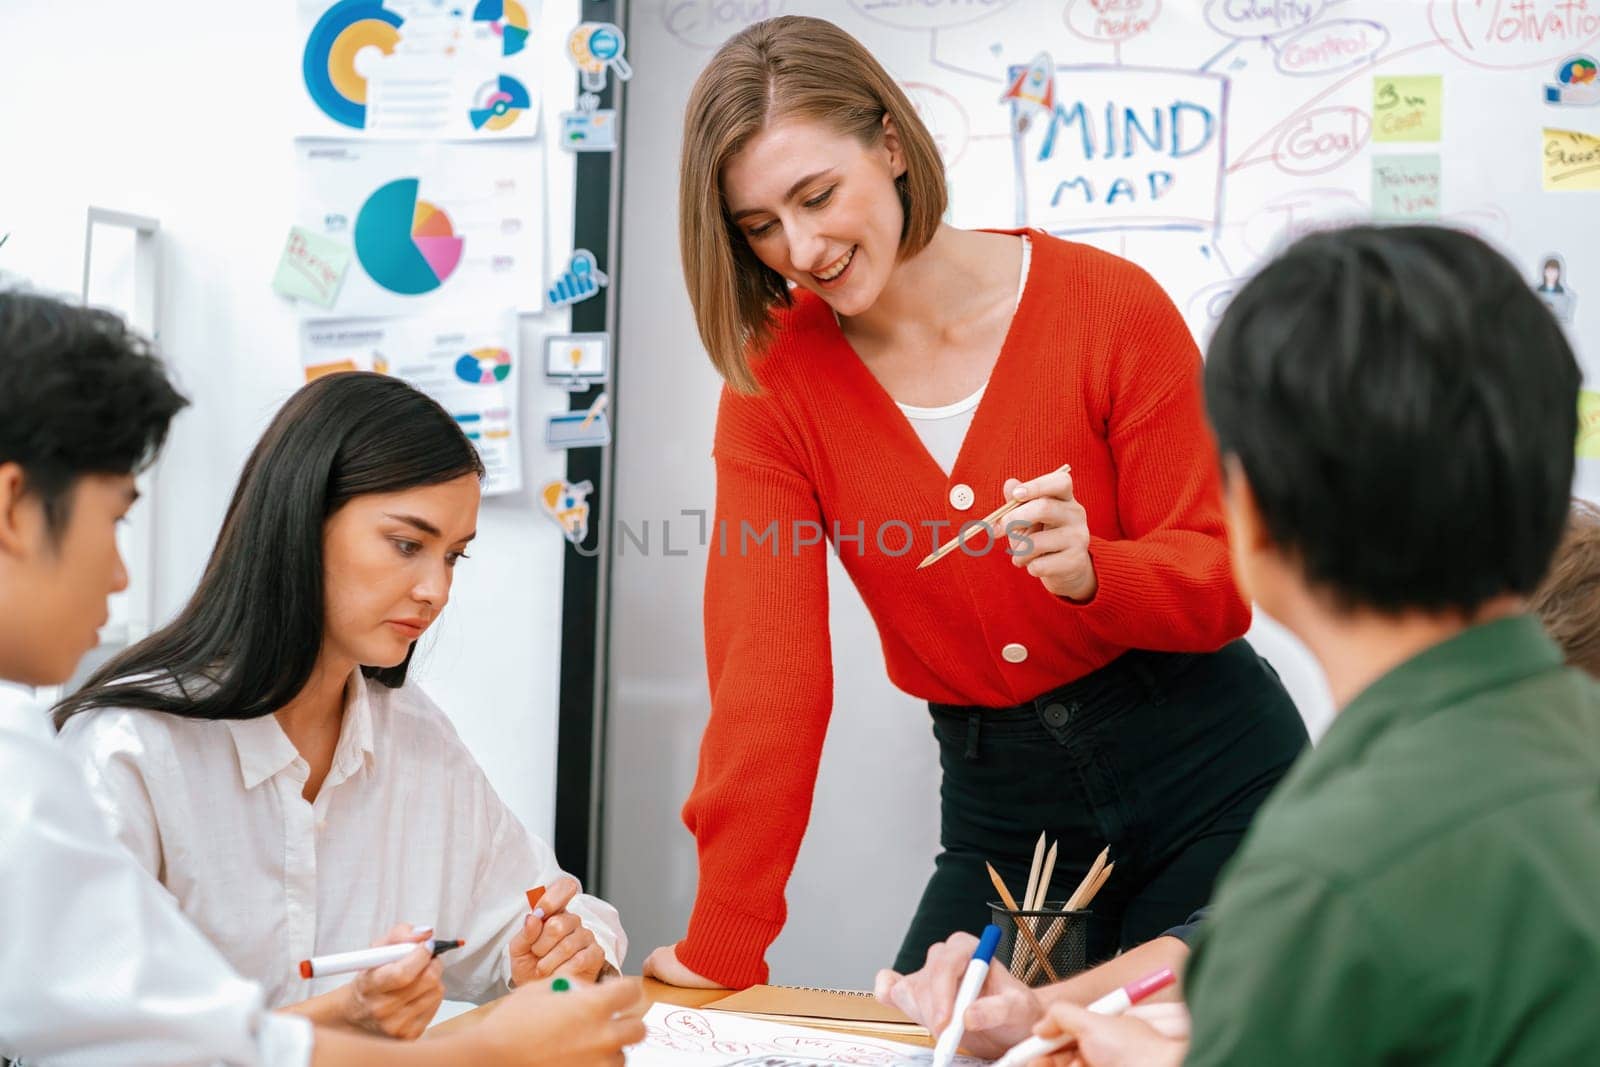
249,637
1404,407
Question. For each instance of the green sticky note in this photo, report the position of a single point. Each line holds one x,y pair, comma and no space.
1588,424
1407,107
1406,187
312,267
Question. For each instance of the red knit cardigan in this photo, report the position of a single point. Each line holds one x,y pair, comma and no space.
1099,371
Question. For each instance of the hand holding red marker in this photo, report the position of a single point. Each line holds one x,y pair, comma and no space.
552,940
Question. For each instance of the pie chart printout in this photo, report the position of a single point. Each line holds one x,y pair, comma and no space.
508,19
404,243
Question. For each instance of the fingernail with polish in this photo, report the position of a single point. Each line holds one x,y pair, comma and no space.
538,913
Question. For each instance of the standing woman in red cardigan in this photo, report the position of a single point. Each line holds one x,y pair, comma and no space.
890,378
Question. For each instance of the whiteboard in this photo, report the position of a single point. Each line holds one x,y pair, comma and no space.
1283,81
1195,137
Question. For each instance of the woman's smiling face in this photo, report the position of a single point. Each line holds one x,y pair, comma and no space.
820,208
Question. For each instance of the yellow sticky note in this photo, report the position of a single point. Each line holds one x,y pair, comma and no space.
1407,107
1571,160
1588,424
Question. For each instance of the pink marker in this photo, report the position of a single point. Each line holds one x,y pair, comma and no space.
1113,1003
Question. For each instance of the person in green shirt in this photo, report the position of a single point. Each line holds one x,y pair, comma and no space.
1396,413
1567,604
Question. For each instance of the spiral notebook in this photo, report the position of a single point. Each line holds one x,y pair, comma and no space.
830,1009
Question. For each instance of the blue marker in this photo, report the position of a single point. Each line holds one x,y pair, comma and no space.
971,983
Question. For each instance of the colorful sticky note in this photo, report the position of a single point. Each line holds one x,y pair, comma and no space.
1407,107
1588,424
567,505
589,131
1571,160
1406,187
576,429
312,267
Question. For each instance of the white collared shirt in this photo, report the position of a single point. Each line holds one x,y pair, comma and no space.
96,965
406,828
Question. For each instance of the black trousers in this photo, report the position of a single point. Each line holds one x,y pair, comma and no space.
1163,757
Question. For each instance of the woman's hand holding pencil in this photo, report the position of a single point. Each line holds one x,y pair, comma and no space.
1049,533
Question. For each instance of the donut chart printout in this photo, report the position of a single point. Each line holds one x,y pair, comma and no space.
430,226
465,362
375,69
684,1037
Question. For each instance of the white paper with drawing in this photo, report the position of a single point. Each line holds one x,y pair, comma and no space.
683,1037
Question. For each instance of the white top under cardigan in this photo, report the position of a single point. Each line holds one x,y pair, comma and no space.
406,828
97,967
943,429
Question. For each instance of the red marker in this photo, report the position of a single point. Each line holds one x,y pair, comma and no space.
365,958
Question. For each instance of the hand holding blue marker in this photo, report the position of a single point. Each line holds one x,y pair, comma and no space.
971,983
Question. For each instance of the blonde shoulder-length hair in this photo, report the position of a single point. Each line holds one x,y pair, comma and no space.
787,67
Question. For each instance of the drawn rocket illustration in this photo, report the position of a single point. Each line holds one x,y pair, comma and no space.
1033,91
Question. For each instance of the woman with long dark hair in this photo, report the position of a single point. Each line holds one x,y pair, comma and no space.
264,756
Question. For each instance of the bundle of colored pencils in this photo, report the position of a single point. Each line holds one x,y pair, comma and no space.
1033,953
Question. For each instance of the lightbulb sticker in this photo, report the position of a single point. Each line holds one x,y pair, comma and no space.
595,48
577,361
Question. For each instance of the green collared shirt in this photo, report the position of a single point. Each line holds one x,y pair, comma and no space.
1424,886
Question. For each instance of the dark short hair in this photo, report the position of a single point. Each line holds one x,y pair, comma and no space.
80,394
1404,408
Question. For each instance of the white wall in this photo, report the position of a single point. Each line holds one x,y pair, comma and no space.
181,110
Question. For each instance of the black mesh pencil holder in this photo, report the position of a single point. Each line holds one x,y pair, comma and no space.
1062,935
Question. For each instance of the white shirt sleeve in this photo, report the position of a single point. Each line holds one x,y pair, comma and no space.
97,966
112,759
512,861
515,843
